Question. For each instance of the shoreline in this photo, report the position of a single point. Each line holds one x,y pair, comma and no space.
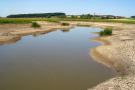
117,51
11,33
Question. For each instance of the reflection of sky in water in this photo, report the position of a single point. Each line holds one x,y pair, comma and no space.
55,61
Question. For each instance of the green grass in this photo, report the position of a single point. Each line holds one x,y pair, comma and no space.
35,25
107,31
29,20
126,21
25,20
65,24
123,77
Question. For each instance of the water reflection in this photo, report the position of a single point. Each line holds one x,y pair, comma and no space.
65,30
35,35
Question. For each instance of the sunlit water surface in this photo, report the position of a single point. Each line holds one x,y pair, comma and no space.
55,61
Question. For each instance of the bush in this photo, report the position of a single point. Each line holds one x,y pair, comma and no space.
61,16
35,25
49,16
107,31
65,24
123,77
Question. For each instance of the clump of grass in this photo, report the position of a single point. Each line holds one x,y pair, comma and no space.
65,24
123,77
35,25
107,31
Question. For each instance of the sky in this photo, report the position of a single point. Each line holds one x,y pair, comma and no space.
70,7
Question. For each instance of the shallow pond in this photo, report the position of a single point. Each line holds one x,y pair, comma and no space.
59,60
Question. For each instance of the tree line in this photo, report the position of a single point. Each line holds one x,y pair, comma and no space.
84,16
42,15
132,16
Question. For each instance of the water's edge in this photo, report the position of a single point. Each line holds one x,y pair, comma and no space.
19,38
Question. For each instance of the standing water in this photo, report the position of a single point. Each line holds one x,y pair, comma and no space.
59,60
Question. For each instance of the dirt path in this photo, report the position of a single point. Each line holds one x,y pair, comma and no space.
117,51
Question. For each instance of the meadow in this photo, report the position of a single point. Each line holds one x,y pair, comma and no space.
56,20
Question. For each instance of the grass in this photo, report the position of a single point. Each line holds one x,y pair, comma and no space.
107,31
29,20
65,24
126,21
25,20
123,77
35,25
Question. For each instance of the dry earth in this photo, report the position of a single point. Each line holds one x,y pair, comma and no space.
10,33
117,51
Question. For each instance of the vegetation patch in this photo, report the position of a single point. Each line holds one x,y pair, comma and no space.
127,21
37,15
107,31
28,20
35,25
65,24
25,20
123,77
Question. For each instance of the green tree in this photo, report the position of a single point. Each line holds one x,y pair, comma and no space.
86,16
35,15
49,16
108,17
89,16
73,17
82,16
61,16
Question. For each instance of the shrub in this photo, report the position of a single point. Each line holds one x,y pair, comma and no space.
65,24
49,16
107,31
35,25
101,33
61,16
123,77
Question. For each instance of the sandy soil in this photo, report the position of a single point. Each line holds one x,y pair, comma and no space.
10,33
117,51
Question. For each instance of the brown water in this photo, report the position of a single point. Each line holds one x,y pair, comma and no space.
55,61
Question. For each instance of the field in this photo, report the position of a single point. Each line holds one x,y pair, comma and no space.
29,20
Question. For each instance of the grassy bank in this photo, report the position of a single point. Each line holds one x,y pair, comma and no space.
29,20
25,20
127,21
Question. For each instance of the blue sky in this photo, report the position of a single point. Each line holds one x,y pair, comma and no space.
70,7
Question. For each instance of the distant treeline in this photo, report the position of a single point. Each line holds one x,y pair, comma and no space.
132,16
47,15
